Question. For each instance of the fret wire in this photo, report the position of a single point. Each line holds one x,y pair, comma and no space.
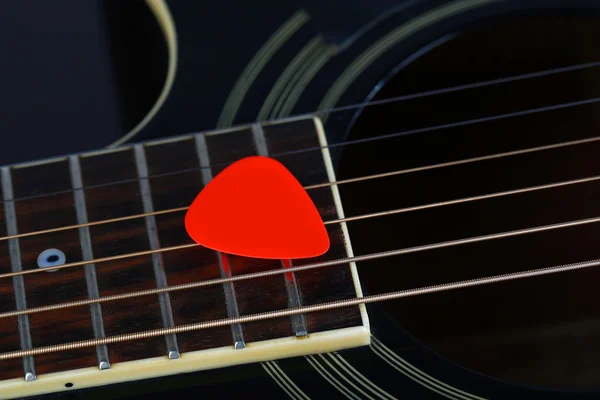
237,333
291,285
304,309
321,185
164,301
306,267
371,139
260,141
88,255
14,250
203,158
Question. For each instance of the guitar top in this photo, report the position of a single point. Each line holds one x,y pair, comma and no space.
449,146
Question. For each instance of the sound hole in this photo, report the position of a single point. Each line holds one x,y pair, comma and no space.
542,331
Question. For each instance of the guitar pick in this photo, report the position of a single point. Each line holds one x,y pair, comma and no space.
257,208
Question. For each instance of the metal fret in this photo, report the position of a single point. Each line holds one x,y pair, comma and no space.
203,157
157,262
18,281
88,254
237,332
260,142
231,301
298,320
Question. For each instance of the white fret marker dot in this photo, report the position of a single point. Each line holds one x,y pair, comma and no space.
51,258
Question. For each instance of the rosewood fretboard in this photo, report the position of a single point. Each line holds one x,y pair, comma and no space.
141,179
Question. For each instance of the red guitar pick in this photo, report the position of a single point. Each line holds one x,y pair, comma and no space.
257,208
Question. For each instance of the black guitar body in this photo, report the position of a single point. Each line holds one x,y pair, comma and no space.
241,62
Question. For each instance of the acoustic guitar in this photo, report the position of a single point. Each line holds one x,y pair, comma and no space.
451,148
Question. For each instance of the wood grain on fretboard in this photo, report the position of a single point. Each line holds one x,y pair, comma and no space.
44,199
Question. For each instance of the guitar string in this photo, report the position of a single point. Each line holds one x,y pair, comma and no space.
325,306
346,143
452,89
329,222
368,177
330,305
381,137
305,267
327,184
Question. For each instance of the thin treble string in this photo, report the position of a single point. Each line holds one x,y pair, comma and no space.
330,222
465,200
381,137
321,307
457,88
299,310
305,267
338,182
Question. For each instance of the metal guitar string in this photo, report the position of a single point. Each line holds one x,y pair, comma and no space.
350,180
433,128
355,301
330,222
387,136
298,310
491,82
298,268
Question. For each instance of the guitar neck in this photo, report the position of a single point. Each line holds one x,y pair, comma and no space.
123,211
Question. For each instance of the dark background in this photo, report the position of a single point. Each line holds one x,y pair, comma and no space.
76,75
55,79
